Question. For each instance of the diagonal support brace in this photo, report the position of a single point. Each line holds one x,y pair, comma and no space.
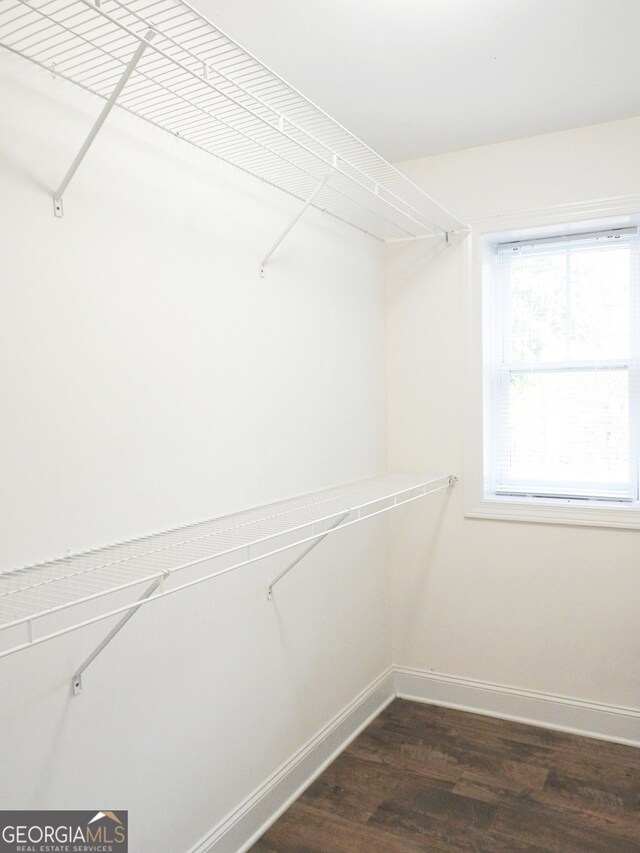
303,555
122,82
297,217
76,681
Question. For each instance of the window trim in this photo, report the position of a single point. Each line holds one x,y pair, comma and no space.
532,224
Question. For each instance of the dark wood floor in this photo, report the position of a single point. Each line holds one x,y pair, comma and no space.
423,778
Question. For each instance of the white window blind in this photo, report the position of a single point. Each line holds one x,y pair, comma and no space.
565,380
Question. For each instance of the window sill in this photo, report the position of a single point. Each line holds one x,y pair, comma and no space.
567,512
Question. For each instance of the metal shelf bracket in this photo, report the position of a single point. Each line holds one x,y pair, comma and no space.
58,209
76,681
303,555
201,86
451,480
31,594
298,215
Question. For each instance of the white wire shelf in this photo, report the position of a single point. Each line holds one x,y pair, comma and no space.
31,595
195,82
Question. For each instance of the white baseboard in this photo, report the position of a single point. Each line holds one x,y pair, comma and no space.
242,828
590,719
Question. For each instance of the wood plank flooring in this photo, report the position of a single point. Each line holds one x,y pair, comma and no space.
424,778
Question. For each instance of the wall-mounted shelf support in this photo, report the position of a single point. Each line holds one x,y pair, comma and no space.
76,681
41,602
309,201
202,87
303,555
58,209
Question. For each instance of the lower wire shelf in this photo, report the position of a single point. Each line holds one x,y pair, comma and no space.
31,596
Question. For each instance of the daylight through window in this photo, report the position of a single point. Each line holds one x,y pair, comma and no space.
561,413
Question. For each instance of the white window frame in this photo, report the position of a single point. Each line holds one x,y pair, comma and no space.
485,234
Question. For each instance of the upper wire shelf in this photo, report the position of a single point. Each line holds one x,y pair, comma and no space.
197,83
30,597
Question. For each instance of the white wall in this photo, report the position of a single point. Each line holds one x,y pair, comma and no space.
148,378
544,608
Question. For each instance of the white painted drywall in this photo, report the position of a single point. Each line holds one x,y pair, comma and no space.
547,608
148,378
448,74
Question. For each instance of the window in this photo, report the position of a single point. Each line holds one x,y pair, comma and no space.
554,429
564,419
